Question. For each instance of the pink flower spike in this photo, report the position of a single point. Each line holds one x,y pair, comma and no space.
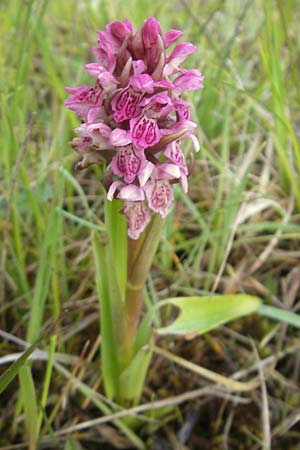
132,193
144,131
137,216
135,117
120,137
160,196
171,36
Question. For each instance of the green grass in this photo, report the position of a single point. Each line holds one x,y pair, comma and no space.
248,118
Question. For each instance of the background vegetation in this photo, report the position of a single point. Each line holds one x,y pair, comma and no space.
238,231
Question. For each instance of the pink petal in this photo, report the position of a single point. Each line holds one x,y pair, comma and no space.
127,164
121,29
111,192
190,80
137,216
158,106
181,51
174,153
171,36
144,131
178,55
138,46
182,108
99,129
151,29
138,67
184,183
107,81
168,171
125,104
160,196
142,83
105,57
145,173
132,193
100,133
195,142
120,137
84,97
187,126
94,69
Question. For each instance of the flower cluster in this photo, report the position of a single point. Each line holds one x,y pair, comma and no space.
134,117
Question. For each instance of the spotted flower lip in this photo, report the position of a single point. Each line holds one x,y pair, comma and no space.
134,117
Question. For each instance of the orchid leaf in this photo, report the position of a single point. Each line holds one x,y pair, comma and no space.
133,377
281,315
201,314
108,344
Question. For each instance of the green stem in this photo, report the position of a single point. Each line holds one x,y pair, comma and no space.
140,256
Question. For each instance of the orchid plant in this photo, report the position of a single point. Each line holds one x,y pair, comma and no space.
134,122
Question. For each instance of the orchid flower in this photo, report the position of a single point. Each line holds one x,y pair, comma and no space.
135,111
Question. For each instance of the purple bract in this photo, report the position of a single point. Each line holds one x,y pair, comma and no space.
135,119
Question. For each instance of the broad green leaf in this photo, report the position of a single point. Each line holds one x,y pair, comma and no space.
281,315
202,314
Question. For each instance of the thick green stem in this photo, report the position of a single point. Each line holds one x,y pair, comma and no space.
140,256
